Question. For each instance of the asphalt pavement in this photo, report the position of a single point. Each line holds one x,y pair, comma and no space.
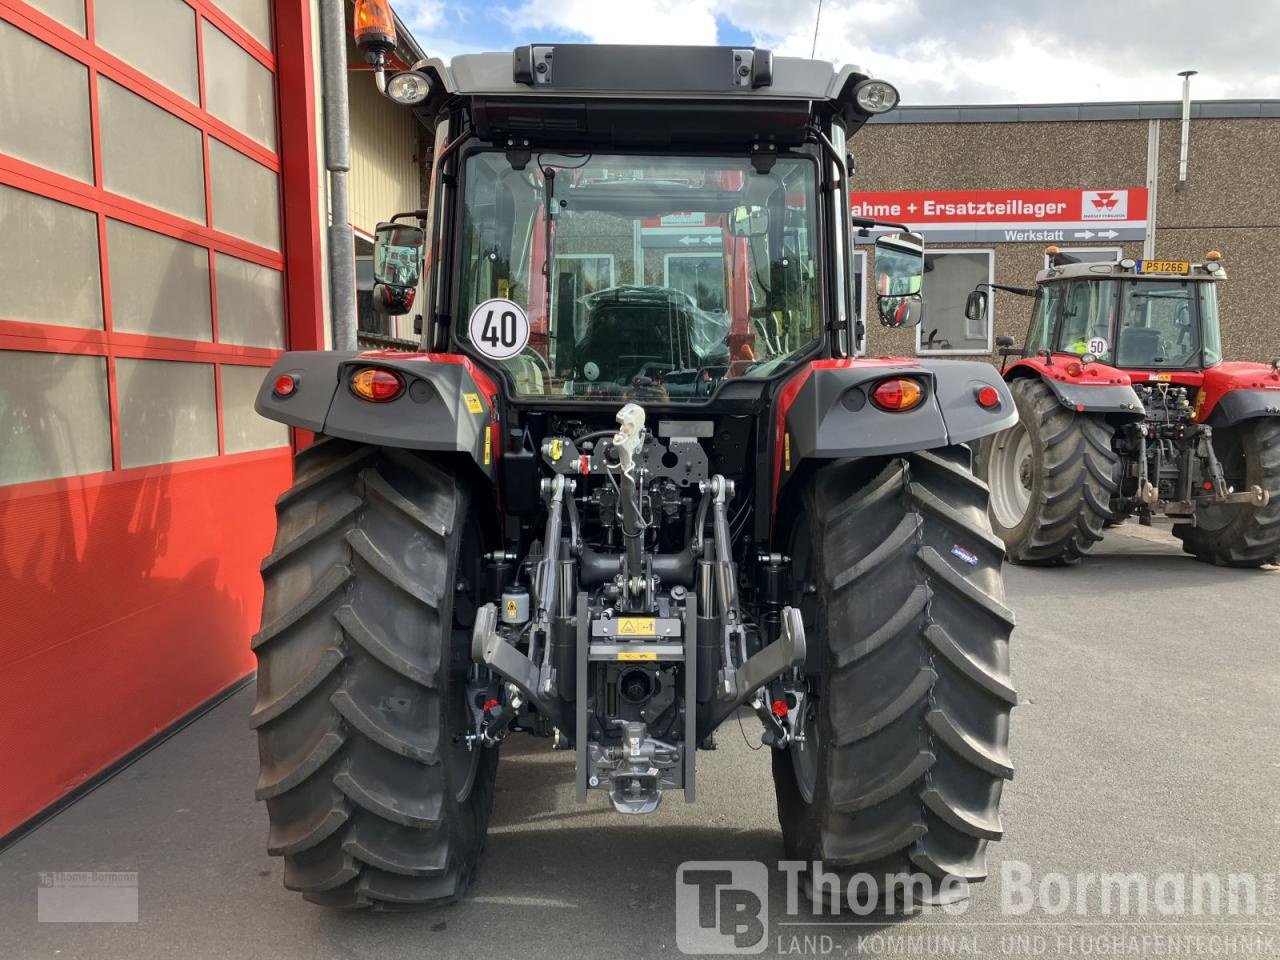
1145,743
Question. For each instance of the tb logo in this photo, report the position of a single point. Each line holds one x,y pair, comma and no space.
722,906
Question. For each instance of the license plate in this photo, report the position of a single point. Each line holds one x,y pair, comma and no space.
1164,266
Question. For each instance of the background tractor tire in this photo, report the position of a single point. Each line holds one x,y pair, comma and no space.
898,577
1241,536
1051,476
372,799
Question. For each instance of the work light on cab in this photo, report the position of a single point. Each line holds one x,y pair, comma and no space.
409,87
897,395
875,96
376,384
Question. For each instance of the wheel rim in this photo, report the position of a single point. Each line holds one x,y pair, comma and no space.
465,759
1009,475
806,753
464,754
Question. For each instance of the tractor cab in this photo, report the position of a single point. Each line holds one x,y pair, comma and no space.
1134,315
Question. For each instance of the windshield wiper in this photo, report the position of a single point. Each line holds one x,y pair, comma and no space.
548,190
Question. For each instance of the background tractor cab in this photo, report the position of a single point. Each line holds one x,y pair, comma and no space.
1124,361
1145,315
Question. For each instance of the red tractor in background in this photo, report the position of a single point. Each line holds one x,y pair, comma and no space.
1126,408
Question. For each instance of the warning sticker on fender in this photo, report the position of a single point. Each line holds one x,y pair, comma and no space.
473,402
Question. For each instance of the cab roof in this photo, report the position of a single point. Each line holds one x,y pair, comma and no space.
1103,271
622,92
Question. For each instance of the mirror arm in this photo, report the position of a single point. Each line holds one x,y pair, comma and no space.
866,223
1020,291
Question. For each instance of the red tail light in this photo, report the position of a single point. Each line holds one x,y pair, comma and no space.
285,385
897,395
988,397
376,385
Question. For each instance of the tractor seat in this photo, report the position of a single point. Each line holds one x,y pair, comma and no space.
1138,346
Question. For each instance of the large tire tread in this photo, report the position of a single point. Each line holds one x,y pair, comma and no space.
1253,538
914,712
353,681
1080,473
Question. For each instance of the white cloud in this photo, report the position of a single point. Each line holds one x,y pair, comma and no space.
641,21
420,16
934,51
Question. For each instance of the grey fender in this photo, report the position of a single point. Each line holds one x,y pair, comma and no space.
832,417
1117,399
447,405
1236,406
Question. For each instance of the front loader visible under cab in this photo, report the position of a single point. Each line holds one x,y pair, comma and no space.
632,482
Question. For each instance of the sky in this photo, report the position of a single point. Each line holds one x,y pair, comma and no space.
933,51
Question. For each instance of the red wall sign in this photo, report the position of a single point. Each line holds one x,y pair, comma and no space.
1013,215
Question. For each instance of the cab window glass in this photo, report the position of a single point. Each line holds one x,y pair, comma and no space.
1088,314
1043,316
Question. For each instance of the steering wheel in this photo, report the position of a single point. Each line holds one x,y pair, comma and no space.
646,361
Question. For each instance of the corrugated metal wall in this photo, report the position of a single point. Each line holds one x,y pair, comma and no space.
384,141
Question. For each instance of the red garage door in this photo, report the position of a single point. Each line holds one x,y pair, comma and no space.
143,291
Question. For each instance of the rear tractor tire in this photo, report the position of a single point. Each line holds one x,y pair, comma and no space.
373,798
1241,536
1052,476
905,736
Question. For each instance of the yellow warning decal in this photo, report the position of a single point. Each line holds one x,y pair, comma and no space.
488,446
637,626
473,402
504,288
511,610
639,655
786,451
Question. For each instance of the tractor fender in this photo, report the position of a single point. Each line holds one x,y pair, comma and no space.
448,403
824,411
1235,391
1239,405
1097,389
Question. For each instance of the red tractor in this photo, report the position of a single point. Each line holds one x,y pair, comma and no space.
631,482
1126,408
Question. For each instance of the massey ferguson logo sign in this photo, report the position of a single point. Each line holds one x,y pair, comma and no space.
1104,205
1106,215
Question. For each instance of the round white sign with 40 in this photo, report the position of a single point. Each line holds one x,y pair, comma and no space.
499,328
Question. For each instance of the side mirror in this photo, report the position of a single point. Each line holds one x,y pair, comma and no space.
975,306
1004,342
397,266
752,221
899,312
899,277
